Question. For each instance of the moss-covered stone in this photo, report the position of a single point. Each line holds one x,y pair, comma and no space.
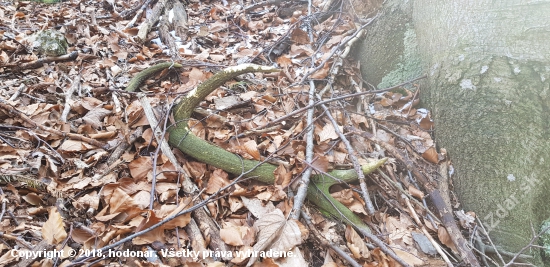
50,43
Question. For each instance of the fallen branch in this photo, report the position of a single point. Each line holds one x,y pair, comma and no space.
301,110
425,232
318,192
182,138
146,25
40,62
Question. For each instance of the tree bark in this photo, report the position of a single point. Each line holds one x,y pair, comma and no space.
488,89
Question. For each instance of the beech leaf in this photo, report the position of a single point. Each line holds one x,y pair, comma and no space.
277,233
53,230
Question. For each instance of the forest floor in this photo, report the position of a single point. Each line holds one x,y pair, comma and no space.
66,188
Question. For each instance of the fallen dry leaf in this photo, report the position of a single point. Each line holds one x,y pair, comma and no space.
356,244
277,233
408,258
53,230
445,239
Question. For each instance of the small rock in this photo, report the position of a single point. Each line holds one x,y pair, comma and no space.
49,43
424,243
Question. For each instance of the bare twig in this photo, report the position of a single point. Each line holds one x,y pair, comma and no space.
4,201
490,240
68,98
22,87
384,247
443,209
531,243
138,9
300,110
402,191
159,133
355,162
261,4
151,20
304,181
336,49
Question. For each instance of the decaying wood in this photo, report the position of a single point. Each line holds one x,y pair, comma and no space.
146,26
180,21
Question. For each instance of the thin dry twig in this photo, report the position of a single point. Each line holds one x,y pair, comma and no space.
490,240
304,181
531,244
68,98
300,110
356,165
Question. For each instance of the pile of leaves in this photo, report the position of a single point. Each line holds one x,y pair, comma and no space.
80,168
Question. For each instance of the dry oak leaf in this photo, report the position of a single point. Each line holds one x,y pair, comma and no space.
75,146
328,132
140,167
169,210
53,230
346,197
431,155
251,149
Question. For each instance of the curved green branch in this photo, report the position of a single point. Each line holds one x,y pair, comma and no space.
182,138
148,72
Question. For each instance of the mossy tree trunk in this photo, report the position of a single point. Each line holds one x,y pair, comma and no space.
488,87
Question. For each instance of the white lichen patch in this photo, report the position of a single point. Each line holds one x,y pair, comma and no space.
192,93
497,79
433,69
467,84
461,57
517,70
484,69
511,177
242,67
508,103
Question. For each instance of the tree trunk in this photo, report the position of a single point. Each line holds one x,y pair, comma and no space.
488,88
